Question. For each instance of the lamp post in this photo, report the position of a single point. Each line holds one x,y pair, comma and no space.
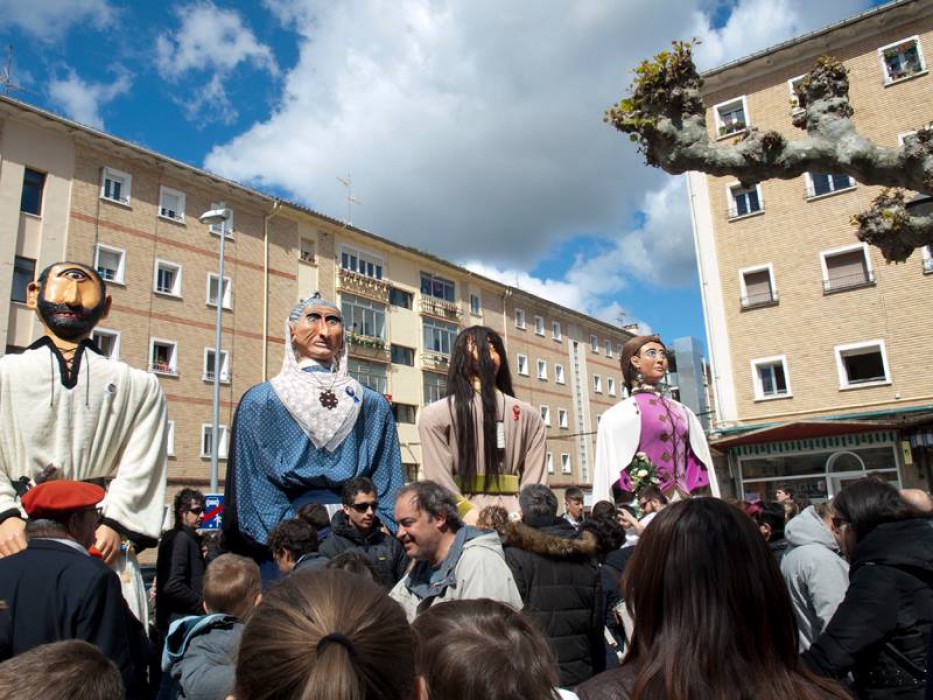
221,216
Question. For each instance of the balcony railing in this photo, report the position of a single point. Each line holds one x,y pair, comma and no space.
368,346
435,360
844,282
163,368
753,301
440,307
355,283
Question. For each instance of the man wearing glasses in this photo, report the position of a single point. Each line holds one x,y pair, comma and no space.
180,566
357,527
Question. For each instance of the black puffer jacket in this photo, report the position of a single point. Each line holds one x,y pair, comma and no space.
384,551
881,628
559,583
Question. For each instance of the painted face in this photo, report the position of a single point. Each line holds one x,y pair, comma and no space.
493,354
362,514
70,301
651,361
318,334
575,508
418,532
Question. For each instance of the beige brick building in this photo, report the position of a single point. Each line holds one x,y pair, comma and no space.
69,192
817,346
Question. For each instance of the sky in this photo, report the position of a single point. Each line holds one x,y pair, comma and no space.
470,129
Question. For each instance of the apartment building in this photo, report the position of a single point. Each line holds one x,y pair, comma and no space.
70,192
818,347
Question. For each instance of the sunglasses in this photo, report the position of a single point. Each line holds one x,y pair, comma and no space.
838,522
363,507
196,510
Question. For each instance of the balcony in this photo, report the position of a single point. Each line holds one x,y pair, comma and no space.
447,310
363,285
755,301
368,347
163,368
845,282
437,361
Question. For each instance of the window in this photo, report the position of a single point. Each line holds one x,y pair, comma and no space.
608,348
437,287
404,413
167,278
163,356
207,441
820,184
108,342
439,336
24,272
769,377
559,374
594,343
542,369
731,117
555,330
216,228
435,387
171,204
110,263
403,356
744,201
227,295
550,462
520,319
116,186
539,325
862,364
901,59
399,297
33,185
546,415
363,316
846,268
793,86
371,374
902,138
597,384
611,386
170,438
563,418
306,250
565,467
361,263
475,307
757,284
927,259
523,365
209,365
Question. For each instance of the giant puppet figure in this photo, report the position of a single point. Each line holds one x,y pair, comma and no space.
480,442
299,437
68,412
665,430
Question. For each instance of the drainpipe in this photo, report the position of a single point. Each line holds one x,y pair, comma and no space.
276,205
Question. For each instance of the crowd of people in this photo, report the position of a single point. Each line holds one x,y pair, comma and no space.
333,578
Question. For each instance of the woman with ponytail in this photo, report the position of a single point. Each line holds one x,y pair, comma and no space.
480,442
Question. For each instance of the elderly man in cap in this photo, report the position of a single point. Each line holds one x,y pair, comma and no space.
299,437
54,589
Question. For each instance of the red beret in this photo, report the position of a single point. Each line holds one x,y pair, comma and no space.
56,500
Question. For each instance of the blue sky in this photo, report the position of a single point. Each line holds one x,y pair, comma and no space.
472,128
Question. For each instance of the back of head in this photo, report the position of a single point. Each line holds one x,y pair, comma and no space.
70,670
295,536
482,650
774,516
603,510
713,616
493,518
232,585
356,563
869,502
326,635
315,514
538,504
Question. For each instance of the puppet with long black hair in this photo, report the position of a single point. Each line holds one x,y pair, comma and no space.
480,442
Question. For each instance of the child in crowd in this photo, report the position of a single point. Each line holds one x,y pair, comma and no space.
199,659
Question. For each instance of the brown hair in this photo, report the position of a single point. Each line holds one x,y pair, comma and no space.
231,584
69,670
483,650
493,518
629,350
713,617
326,635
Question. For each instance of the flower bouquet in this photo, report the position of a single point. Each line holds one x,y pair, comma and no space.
641,472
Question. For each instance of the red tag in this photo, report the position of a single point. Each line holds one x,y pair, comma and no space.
516,412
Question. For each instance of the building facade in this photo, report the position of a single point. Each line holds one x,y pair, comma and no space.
69,192
817,346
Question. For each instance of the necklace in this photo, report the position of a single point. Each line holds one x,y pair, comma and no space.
326,396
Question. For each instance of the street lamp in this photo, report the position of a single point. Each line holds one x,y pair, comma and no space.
221,216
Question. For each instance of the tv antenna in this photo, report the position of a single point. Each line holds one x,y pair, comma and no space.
6,74
351,200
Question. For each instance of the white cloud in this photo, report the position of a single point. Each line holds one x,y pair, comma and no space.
49,20
82,101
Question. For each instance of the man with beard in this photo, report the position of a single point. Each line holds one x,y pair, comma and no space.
68,412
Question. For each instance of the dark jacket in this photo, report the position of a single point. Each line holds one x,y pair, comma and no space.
881,628
384,551
559,582
55,592
200,656
179,576
312,561
614,684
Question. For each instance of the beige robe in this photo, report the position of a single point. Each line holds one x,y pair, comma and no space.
525,446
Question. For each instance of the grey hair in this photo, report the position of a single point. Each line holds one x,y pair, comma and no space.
433,499
316,300
537,501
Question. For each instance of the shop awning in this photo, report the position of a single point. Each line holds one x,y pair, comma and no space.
800,430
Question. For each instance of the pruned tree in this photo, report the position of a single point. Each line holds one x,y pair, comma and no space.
666,117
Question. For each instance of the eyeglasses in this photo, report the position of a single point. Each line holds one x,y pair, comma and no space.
642,504
197,510
838,522
363,507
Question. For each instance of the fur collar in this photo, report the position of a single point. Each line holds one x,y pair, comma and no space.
547,544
